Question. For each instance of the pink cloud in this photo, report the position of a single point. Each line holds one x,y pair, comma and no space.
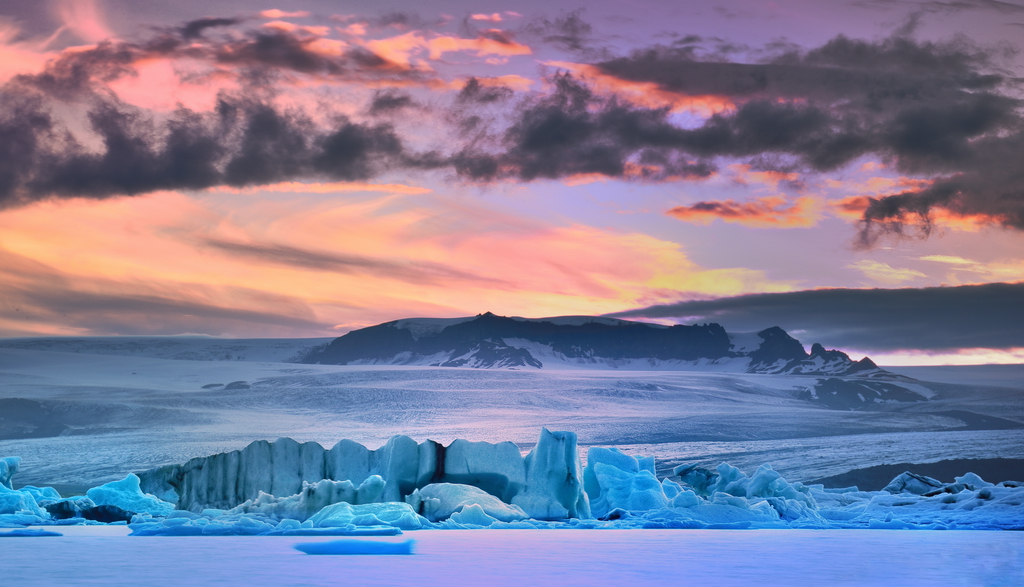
84,19
274,13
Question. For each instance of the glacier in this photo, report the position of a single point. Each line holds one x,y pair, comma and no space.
402,487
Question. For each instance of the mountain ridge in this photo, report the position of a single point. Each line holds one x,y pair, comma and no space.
489,341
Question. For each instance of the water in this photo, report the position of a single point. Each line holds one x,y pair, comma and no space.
532,558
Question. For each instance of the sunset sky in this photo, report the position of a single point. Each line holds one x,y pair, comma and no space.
308,167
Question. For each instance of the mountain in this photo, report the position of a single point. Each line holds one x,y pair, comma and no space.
828,378
492,342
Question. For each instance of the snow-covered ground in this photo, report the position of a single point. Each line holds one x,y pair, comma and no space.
558,558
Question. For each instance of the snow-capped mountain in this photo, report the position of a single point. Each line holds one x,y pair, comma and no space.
488,341
828,378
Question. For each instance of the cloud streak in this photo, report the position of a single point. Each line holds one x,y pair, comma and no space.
934,318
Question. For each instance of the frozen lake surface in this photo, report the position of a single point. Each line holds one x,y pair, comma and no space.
519,558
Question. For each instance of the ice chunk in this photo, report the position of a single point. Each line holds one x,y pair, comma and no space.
352,546
313,498
498,469
973,482
554,487
638,491
127,495
8,467
439,501
42,494
19,502
698,478
396,514
913,483
472,515
615,480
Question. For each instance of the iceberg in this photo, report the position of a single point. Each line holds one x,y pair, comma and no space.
127,495
8,467
440,501
554,484
395,514
614,480
546,489
313,498
548,480
352,546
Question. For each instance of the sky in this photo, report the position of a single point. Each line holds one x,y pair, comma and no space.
849,171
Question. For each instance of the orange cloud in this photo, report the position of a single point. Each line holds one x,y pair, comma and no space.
398,50
742,174
481,46
297,266
879,185
496,17
766,212
403,49
851,208
648,94
630,170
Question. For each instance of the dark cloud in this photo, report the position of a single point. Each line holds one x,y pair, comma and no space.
195,28
417,272
942,110
387,101
243,142
938,110
474,91
567,31
931,319
574,131
263,52
940,6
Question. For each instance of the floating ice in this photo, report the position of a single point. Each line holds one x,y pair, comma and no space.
396,514
28,532
313,498
615,480
554,487
19,503
127,495
439,501
8,467
498,469
547,489
546,484
356,547
908,482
